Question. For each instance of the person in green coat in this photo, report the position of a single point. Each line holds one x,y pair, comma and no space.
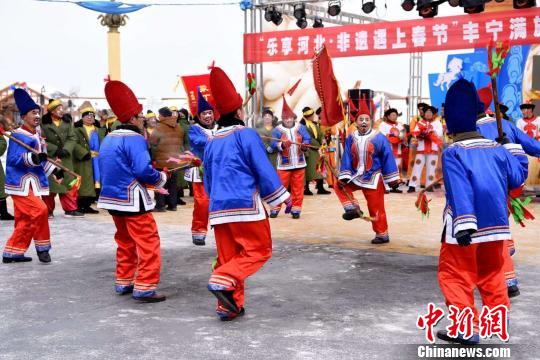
183,121
316,134
89,135
4,214
58,131
269,122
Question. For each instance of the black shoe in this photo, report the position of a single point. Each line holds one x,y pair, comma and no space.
378,240
226,298
151,299
323,191
307,192
198,241
44,256
88,210
473,340
4,215
180,202
396,191
7,260
513,291
171,208
231,316
74,214
296,216
163,209
411,189
350,215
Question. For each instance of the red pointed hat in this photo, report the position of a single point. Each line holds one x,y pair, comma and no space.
226,98
486,96
365,107
287,112
122,100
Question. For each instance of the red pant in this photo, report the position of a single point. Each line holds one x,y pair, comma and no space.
462,269
294,179
138,258
508,267
375,204
199,224
31,222
243,248
67,200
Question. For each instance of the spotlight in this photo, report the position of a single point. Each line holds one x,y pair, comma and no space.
473,6
268,13
368,6
427,8
407,5
277,18
317,22
334,7
301,23
523,4
454,3
299,11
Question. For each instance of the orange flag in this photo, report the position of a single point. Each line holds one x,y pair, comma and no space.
328,89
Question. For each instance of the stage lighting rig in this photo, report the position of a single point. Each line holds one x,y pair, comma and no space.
334,7
317,22
407,5
368,6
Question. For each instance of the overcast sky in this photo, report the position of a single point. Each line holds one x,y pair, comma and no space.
63,46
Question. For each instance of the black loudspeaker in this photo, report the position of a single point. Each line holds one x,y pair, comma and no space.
536,73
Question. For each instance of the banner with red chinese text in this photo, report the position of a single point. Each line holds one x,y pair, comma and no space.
327,88
191,83
381,38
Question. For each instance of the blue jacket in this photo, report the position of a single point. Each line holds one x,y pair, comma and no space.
21,172
238,176
293,157
521,144
198,138
365,158
126,170
478,174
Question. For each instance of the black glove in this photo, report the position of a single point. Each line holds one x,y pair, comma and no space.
61,153
58,173
38,158
86,157
503,140
463,237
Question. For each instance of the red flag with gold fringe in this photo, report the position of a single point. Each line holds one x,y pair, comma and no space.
328,89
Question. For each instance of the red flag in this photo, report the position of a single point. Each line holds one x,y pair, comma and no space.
191,83
328,89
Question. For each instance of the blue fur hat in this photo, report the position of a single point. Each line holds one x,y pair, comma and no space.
24,102
461,107
202,104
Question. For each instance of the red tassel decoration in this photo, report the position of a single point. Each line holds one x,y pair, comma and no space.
422,204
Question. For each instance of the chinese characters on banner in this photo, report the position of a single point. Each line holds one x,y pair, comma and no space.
191,83
436,34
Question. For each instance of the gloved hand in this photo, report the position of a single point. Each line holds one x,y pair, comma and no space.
58,173
86,157
463,237
304,147
286,144
38,158
61,153
394,184
503,140
288,205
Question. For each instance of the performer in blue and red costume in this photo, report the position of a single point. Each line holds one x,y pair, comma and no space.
520,145
367,161
479,174
26,182
291,160
199,135
126,172
238,177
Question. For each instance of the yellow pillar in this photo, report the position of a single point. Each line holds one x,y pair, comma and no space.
113,38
